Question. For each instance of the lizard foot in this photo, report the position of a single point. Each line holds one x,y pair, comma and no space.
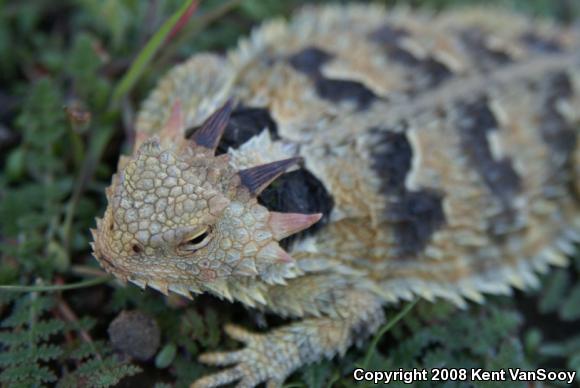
268,358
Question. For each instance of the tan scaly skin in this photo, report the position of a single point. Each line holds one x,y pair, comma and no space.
183,220
448,144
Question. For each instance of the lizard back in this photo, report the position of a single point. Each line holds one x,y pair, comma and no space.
442,148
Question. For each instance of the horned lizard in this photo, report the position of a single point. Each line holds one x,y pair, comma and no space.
430,155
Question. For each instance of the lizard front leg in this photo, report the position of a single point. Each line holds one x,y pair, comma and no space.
271,357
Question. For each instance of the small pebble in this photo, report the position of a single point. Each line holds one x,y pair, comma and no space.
136,334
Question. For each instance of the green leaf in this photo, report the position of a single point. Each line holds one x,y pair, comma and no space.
165,356
15,165
553,292
570,309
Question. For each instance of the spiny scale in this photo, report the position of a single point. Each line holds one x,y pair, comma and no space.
418,127
439,153
119,248
211,131
287,224
256,179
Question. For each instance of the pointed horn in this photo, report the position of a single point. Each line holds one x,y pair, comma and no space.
159,286
287,224
174,126
212,129
246,267
256,179
273,253
181,290
139,283
220,288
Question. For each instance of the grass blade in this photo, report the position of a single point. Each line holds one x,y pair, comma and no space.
63,287
388,326
148,52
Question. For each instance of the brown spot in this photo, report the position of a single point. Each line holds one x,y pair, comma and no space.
207,275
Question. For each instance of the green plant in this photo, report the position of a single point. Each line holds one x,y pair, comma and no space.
65,117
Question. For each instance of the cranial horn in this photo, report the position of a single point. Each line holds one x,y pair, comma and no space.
174,126
256,179
287,224
212,129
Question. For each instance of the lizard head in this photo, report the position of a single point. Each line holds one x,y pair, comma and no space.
181,219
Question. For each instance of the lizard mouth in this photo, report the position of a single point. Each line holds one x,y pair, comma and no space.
105,262
109,266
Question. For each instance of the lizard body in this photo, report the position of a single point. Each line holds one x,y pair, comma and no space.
439,153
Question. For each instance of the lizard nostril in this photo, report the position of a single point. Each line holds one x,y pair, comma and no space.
136,248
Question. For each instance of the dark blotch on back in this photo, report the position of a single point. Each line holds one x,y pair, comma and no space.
540,44
415,215
557,132
388,35
309,61
427,72
245,122
436,72
475,120
337,90
392,157
298,192
485,57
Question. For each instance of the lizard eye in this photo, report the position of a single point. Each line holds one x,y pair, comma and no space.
196,241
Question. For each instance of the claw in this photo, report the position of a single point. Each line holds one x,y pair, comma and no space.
273,384
221,378
221,358
251,365
238,333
